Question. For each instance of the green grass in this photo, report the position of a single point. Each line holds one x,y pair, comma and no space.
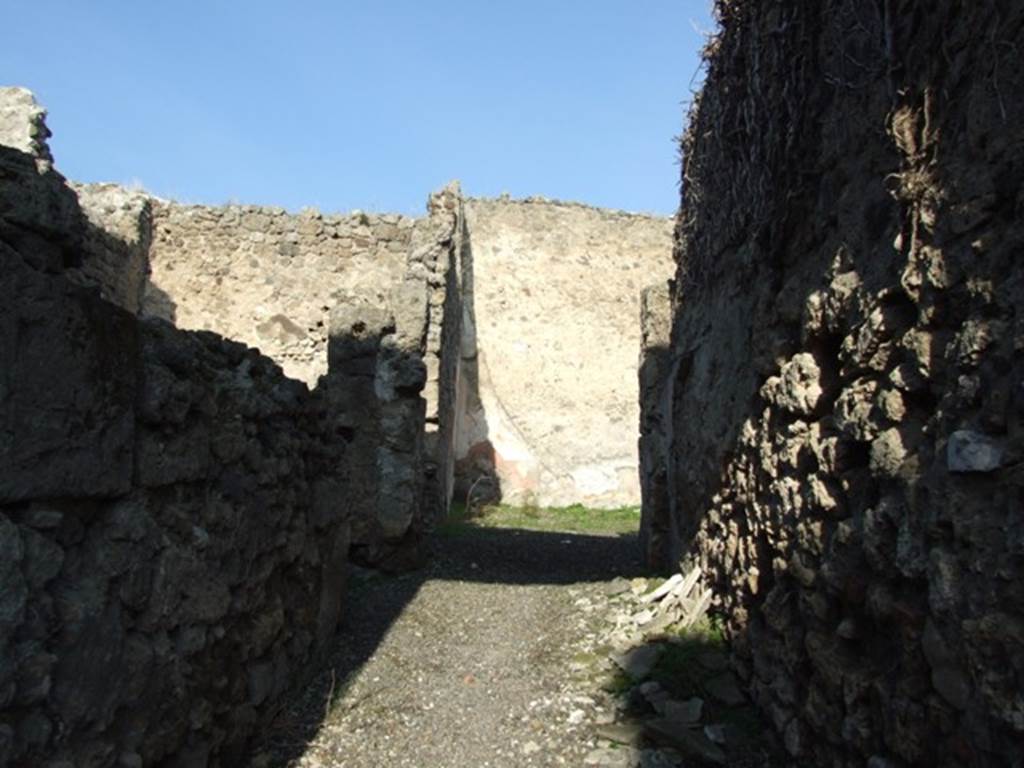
617,683
708,633
678,669
573,519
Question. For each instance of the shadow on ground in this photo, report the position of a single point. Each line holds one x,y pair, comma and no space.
461,553
690,701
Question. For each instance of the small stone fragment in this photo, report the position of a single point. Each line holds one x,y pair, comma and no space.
685,713
638,662
715,732
667,586
654,695
969,451
848,629
644,617
888,453
621,733
638,585
611,758
661,622
725,689
618,586
690,743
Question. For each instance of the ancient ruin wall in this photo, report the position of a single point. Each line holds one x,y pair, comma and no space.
23,125
118,233
173,525
281,282
269,278
394,375
552,345
843,410
659,534
440,256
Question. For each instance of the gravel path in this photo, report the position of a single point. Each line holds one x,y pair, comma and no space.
478,660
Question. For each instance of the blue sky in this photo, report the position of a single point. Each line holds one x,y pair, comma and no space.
365,105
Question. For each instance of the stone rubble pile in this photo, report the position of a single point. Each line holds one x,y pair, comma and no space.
632,632
677,602
641,613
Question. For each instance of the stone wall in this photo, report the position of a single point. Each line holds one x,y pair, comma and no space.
552,354
174,522
391,285
269,278
282,282
176,512
440,254
842,409
659,535
39,214
118,234
393,377
23,125
555,287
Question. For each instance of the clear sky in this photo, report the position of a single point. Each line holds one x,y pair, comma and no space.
368,105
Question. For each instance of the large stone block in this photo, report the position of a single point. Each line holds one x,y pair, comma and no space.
68,366
333,576
398,493
356,331
23,123
39,214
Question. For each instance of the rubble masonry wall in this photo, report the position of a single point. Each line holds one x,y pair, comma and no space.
837,413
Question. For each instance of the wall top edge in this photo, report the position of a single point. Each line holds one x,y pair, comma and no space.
384,216
540,200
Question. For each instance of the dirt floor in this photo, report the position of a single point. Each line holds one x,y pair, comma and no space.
496,654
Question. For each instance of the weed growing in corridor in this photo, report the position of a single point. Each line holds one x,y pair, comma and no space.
572,519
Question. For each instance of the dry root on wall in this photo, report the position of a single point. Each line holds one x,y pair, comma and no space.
843,415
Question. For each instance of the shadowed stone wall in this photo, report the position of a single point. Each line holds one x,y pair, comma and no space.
841,413
391,285
545,293
173,518
394,374
659,533
176,512
440,254
118,236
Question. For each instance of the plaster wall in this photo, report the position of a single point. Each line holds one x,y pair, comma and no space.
552,349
